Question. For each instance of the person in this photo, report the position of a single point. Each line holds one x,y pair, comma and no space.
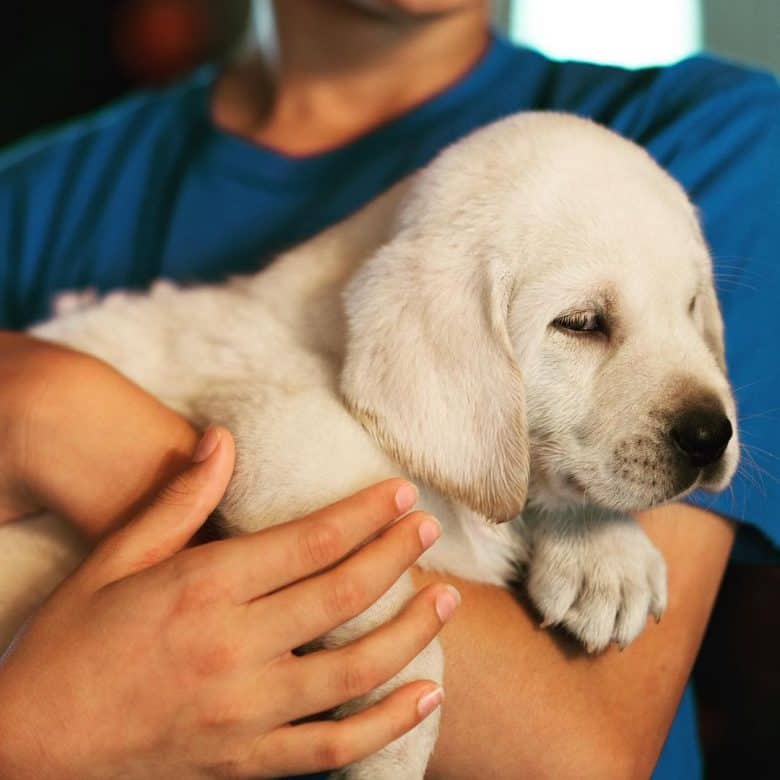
216,174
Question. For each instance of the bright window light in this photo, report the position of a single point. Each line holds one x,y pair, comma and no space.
631,33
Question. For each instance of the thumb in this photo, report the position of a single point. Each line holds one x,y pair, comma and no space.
166,525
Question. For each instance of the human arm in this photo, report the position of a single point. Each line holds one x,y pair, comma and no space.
154,660
79,438
522,702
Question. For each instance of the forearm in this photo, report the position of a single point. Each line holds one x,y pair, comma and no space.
522,703
79,438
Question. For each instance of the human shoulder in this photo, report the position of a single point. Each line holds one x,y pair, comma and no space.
710,97
708,76
72,198
144,114
641,103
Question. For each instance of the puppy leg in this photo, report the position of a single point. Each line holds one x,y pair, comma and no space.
596,575
407,757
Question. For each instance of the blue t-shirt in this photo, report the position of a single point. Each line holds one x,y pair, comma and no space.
150,188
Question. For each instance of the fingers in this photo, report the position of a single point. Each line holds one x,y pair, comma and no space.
308,609
168,523
323,680
324,745
303,547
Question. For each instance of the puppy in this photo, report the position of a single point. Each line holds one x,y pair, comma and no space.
527,328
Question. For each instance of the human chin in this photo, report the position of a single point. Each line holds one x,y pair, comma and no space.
414,7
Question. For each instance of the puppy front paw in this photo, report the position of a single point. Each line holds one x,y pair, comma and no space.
599,581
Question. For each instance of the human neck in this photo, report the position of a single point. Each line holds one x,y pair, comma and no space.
341,71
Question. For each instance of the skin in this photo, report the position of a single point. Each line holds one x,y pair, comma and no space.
342,71
511,687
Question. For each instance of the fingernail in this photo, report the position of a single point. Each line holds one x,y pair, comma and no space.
447,601
428,703
206,445
429,531
406,497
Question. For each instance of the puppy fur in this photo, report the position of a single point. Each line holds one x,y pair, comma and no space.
422,336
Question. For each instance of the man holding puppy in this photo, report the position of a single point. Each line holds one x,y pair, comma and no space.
206,177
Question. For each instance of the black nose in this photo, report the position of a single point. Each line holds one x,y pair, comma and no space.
702,435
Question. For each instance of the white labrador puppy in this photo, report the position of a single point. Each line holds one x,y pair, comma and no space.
527,325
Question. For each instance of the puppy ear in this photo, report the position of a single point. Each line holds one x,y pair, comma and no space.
430,370
712,323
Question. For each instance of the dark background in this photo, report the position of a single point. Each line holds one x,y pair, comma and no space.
60,59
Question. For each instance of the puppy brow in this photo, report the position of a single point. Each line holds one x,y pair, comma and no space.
602,303
608,302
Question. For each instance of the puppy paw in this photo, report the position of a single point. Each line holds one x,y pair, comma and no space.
599,581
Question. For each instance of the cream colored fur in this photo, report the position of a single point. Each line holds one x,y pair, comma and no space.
416,338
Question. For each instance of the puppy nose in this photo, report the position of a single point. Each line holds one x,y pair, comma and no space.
702,435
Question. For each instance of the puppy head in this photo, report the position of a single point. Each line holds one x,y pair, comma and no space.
544,312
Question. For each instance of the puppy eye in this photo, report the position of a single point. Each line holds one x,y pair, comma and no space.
692,304
581,322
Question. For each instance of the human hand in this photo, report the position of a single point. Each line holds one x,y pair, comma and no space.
157,661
